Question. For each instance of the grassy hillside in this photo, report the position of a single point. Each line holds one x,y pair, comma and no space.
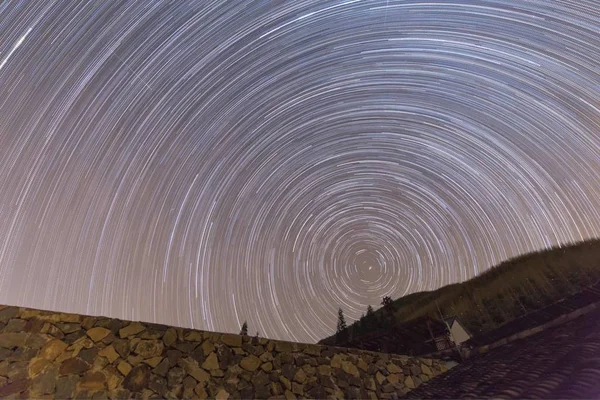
504,292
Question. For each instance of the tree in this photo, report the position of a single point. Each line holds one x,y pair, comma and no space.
369,311
244,330
341,325
387,302
341,333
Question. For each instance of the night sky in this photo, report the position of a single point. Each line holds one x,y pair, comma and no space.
201,163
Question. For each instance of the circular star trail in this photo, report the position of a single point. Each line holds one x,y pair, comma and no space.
202,163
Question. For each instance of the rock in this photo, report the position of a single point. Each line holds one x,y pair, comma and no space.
426,370
222,395
65,387
7,313
336,361
415,369
380,378
297,388
409,382
324,370
194,370
175,377
110,353
97,333
149,348
154,361
370,383
393,368
262,392
267,367
207,347
193,336
286,382
113,378
93,381
158,384
350,368
137,379
134,360
300,376
15,325
201,393
162,368
290,396
231,340
37,365
225,355
132,329
122,347
289,371
362,365
67,328
124,367
14,371
14,387
45,382
313,350
174,356
189,384
73,366
394,378
12,339
89,355
250,363
170,337
211,362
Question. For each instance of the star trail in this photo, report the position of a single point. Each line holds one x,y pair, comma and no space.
202,163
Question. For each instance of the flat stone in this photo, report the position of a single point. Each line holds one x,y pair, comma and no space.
201,393
393,368
149,348
37,365
170,337
286,382
67,328
15,325
110,353
132,329
409,382
137,379
426,370
393,378
231,340
175,376
154,361
370,383
7,313
191,367
158,384
300,376
124,367
222,395
362,365
313,350
336,361
211,362
380,378
113,378
45,382
193,336
14,387
97,333
89,355
73,366
291,396
350,368
65,387
162,368
174,356
93,380
297,388
324,370
12,339
267,367
250,363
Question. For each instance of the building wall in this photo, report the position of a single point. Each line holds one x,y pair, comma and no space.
47,354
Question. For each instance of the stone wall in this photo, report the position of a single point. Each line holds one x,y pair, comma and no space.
54,355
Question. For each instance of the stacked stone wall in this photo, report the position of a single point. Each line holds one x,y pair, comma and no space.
55,355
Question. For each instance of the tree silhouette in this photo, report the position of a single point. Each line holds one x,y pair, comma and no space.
341,333
387,302
369,311
244,330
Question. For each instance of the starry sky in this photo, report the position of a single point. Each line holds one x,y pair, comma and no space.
202,163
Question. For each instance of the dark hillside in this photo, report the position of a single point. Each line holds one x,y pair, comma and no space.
501,294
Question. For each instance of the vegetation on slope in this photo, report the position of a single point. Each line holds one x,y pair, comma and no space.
503,293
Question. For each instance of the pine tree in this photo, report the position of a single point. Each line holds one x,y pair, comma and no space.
341,333
369,311
341,325
244,330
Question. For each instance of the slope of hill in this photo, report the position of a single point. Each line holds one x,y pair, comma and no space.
501,294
